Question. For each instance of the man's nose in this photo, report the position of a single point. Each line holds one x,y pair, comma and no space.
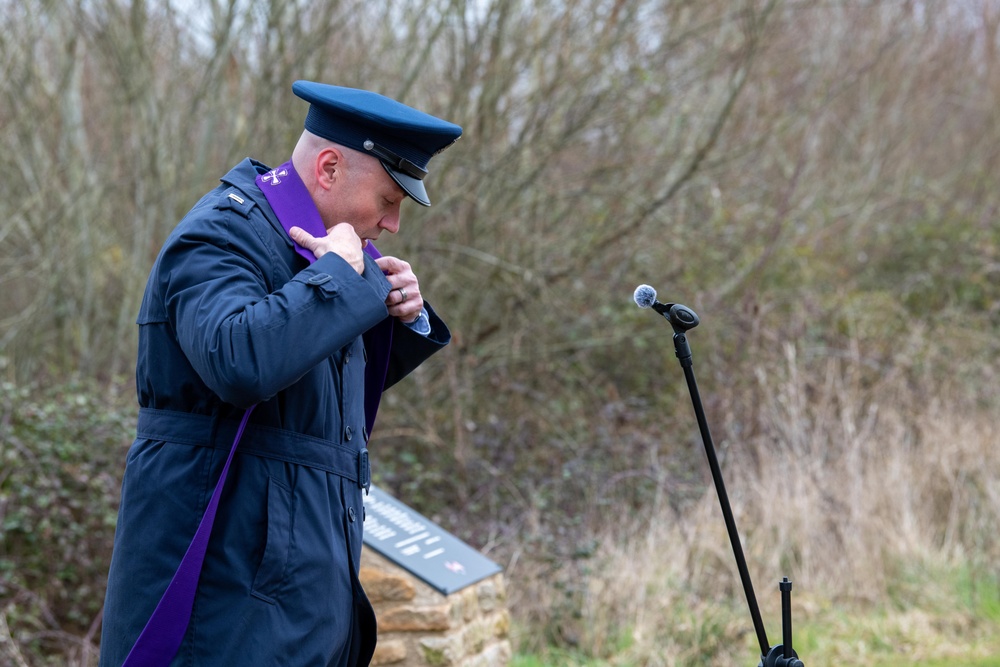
390,222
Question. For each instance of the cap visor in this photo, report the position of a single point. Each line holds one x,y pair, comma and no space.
411,186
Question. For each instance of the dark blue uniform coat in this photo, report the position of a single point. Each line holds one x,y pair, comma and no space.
233,317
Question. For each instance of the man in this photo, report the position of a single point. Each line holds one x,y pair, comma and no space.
268,296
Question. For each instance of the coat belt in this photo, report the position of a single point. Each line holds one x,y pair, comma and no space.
265,441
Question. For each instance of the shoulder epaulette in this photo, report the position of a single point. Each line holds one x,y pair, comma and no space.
234,200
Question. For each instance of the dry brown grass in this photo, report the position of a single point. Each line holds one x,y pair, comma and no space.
874,503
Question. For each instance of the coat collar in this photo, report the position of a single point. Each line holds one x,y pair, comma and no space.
242,177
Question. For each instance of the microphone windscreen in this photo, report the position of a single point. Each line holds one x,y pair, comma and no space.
645,296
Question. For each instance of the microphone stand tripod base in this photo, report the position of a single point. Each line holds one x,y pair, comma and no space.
776,658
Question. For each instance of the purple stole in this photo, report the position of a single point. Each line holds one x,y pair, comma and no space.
161,638
291,202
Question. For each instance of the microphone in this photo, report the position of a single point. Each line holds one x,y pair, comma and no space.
681,317
645,297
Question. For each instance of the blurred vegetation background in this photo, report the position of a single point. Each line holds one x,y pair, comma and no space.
818,180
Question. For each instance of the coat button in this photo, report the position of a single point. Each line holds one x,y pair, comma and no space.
348,433
364,433
351,515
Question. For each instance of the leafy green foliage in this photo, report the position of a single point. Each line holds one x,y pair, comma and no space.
62,453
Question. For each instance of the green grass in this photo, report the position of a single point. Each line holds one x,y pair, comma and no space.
943,662
935,616
569,659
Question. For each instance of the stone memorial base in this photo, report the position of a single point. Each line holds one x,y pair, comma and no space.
419,626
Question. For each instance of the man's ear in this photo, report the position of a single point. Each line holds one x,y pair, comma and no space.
329,167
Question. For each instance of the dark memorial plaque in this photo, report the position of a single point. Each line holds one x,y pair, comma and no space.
421,547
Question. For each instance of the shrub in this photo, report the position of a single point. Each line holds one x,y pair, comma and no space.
62,451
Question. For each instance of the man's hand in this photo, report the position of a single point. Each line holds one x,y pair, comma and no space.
404,301
340,239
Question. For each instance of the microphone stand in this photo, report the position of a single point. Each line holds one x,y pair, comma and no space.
683,319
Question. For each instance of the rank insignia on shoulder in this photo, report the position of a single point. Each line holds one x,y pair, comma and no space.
234,202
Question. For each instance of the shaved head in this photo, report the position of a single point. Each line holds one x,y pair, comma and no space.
310,146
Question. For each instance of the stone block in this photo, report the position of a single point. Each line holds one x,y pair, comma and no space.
501,624
381,586
476,635
488,595
440,651
494,655
407,618
389,652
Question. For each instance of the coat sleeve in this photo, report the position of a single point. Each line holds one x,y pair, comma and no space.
246,340
410,349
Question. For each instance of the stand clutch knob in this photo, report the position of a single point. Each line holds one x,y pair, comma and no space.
776,658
